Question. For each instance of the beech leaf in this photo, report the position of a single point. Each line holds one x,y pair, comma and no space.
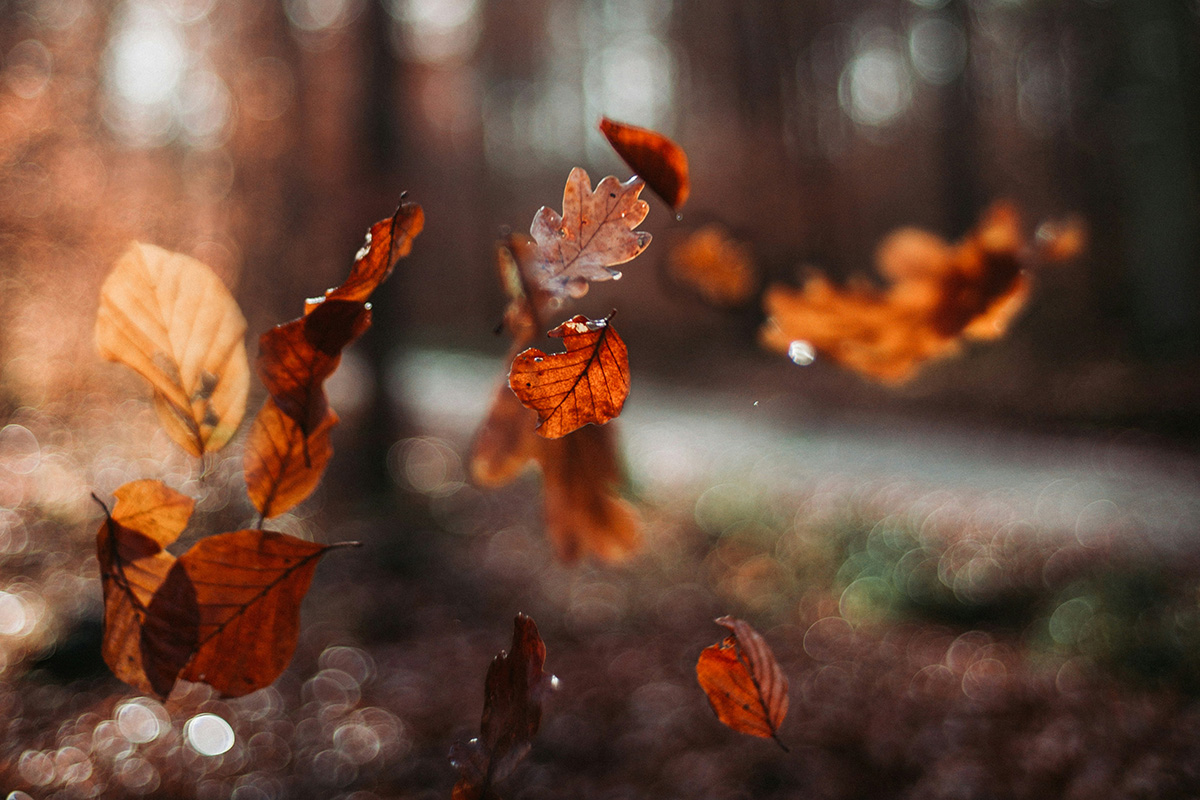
170,319
939,295
658,160
248,586
282,464
139,649
586,384
514,689
594,234
743,682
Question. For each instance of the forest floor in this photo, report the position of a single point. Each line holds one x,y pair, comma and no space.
961,612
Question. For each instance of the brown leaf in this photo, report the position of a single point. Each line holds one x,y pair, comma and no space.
505,442
282,465
139,648
584,511
514,689
715,266
594,234
248,586
387,242
743,682
170,319
657,159
940,294
296,358
587,384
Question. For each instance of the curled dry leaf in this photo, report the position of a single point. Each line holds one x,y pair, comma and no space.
514,689
142,650
170,319
715,266
743,682
586,384
658,160
282,464
387,242
939,295
594,234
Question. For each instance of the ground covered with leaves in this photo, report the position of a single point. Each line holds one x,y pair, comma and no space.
939,640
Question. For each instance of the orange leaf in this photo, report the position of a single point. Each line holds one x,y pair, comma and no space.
718,268
170,319
247,585
138,648
657,159
296,358
505,442
282,465
594,234
584,511
387,242
586,384
514,689
743,682
940,294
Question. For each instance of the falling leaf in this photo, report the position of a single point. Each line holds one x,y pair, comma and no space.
584,510
939,295
297,357
654,157
387,242
594,234
143,651
743,682
170,319
505,442
718,268
586,384
282,464
514,690
248,586
1062,239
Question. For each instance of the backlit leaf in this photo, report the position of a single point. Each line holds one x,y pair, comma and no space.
143,651
514,689
743,682
248,586
594,234
586,384
939,295
658,160
282,464
169,318
718,268
387,242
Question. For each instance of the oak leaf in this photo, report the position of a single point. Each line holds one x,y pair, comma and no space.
594,234
514,689
715,266
142,650
658,160
170,319
282,464
939,295
743,682
585,385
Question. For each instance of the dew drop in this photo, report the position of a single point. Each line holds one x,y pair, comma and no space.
801,352
679,216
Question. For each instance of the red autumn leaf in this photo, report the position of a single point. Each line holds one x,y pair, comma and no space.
140,649
170,319
247,587
715,266
387,242
282,464
296,358
594,234
743,682
513,692
939,295
657,159
586,384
